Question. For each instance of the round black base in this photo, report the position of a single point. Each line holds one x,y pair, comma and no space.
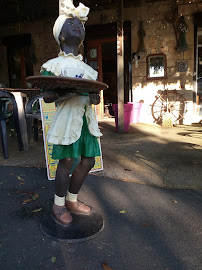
82,228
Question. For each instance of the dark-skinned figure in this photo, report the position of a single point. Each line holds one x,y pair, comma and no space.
74,129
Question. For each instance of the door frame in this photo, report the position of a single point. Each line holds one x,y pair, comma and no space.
95,37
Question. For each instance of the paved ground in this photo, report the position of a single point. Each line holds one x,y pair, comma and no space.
147,154
146,227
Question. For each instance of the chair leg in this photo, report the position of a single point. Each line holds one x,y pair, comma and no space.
29,129
4,139
36,129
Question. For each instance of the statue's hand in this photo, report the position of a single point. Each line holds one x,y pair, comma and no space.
94,98
52,96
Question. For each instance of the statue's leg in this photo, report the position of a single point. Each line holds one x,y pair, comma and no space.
78,177
62,176
61,182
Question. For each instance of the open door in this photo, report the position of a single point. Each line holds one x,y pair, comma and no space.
101,54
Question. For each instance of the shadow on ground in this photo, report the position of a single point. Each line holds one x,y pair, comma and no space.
145,227
147,154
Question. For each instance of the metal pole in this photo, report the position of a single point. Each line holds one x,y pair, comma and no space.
120,67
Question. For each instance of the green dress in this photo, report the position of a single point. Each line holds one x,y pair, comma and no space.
87,145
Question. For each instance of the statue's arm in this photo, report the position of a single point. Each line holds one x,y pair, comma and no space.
54,96
94,98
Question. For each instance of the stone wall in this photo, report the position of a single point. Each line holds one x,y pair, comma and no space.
160,38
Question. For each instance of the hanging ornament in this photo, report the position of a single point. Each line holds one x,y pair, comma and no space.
182,40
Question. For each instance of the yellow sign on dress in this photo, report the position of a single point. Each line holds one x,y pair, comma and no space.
47,113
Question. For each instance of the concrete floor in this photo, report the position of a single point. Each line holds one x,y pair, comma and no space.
147,154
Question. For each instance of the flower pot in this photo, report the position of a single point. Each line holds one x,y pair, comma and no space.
127,114
135,114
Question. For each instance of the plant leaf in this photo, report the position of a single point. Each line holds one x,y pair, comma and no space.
174,201
145,224
27,200
20,192
105,266
122,211
36,196
37,210
20,178
53,259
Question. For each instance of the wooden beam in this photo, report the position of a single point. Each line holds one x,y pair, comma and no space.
120,67
60,7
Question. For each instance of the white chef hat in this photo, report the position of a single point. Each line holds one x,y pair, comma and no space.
68,10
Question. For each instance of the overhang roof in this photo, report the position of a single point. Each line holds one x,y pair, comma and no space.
15,11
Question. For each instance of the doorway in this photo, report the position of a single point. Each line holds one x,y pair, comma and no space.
19,59
101,54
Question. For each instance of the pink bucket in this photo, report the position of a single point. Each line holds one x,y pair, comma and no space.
135,114
127,114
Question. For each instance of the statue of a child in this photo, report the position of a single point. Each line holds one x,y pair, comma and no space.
74,130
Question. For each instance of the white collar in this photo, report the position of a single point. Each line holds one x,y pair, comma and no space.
79,56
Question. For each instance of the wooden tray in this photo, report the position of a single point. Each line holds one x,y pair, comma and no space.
56,83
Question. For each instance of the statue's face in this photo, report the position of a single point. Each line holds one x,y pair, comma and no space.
73,32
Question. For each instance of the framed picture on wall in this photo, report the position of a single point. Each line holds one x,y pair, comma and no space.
156,66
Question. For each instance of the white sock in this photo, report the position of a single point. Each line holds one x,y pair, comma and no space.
59,201
71,197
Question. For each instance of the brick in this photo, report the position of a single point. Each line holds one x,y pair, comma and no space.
163,7
152,24
137,80
164,49
187,9
141,70
154,51
171,70
172,49
150,32
177,56
189,54
171,42
171,63
199,6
